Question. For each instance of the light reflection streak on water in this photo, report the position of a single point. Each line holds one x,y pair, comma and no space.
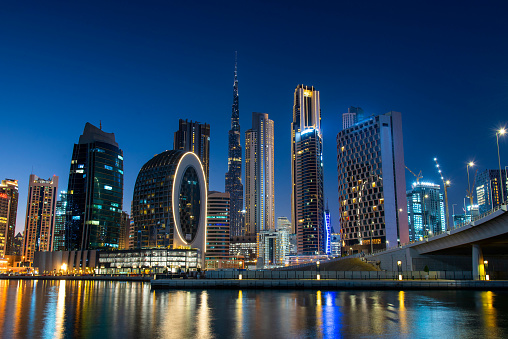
60,311
3,301
203,317
33,305
489,312
319,314
402,313
50,312
239,314
332,316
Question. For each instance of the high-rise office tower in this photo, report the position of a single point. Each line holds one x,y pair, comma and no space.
273,246
95,192
328,231
353,116
234,184
60,220
17,244
425,210
125,227
217,228
9,194
259,177
372,195
284,223
40,216
307,200
335,245
169,202
488,191
194,137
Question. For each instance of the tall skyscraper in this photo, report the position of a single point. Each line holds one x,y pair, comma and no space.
40,216
169,202
425,210
353,116
194,137
60,220
259,175
217,228
234,184
125,227
328,231
9,195
95,192
307,200
488,189
372,200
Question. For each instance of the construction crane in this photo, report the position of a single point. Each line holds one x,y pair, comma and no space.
418,177
446,184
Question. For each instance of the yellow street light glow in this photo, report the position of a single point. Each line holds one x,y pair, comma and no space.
64,267
502,131
471,164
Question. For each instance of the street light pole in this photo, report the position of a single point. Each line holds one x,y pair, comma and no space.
446,184
501,188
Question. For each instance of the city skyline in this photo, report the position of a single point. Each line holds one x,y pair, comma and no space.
431,91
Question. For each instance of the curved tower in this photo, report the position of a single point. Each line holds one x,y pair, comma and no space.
169,202
234,184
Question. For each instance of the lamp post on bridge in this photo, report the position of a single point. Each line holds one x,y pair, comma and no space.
502,131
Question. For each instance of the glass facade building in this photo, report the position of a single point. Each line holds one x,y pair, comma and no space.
148,261
60,220
95,192
169,202
488,192
425,210
194,137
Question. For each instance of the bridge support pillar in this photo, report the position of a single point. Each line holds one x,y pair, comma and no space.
478,267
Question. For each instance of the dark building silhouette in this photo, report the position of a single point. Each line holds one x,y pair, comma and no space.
194,137
95,192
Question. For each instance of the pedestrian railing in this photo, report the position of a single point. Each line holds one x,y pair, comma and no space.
353,275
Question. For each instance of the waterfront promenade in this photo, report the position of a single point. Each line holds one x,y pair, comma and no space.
329,284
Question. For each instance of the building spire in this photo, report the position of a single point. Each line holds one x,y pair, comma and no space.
235,115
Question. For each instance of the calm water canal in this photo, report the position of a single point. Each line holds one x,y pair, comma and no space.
65,309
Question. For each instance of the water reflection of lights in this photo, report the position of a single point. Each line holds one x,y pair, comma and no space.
60,311
489,312
402,313
319,311
203,317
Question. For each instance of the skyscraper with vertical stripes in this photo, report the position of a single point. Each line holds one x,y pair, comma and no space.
307,200
234,184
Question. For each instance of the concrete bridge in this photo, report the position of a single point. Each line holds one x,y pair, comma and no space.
480,246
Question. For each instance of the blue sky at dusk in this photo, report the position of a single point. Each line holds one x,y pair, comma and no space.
140,66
